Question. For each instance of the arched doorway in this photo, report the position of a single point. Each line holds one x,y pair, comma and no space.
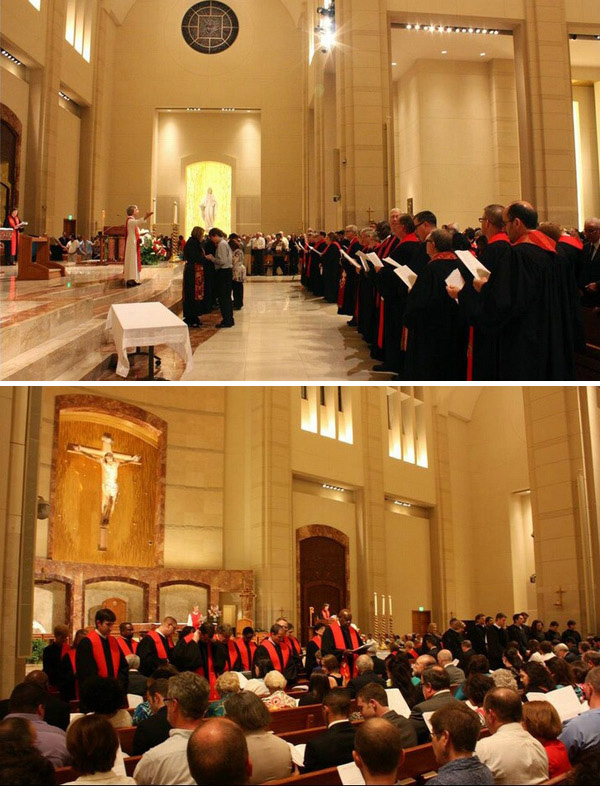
324,572
209,187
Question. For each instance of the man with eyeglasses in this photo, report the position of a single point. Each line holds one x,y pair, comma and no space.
166,764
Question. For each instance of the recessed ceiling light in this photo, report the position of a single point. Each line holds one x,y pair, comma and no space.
482,54
444,52
394,63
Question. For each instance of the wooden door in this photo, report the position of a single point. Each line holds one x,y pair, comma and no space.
118,606
421,621
322,578
69,227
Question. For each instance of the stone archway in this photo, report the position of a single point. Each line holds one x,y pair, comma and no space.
12,132
323,565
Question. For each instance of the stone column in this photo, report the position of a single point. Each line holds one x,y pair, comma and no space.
362,66
18,512
546,111
556,460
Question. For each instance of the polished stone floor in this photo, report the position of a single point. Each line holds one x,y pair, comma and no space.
283,333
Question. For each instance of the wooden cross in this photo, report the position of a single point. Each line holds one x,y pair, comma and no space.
370,212
560,591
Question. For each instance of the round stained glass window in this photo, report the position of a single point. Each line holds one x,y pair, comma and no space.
210,27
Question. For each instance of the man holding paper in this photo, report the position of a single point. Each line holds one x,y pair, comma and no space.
373,702
347,290
342,640
437,333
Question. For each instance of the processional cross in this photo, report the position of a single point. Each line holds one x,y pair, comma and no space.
110,461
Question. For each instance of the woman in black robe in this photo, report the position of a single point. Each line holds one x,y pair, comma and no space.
194,280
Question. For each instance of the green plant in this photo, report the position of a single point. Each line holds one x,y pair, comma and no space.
37,647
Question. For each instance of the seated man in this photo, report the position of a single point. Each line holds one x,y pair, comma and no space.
444,658
137,682
582,733
378,752
511,753
454,732
27,701
436,690
366,675
335,746
373,703
166,764
56,712
217,754
155,729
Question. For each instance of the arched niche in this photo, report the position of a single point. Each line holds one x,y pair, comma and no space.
323,564
52,601
176,598
133,593
11,133
135,535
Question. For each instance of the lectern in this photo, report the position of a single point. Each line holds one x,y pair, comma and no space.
42,268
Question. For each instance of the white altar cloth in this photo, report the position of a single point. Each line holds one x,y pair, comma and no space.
147,324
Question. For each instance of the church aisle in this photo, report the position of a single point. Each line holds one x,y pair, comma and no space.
283,333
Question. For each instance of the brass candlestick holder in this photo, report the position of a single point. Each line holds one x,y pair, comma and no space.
174,243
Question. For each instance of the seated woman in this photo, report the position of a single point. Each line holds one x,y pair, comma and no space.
270,755
318,686
332,668
536,678
475,688
399,675
478,664
277,698
226,684
561,672
513,661
93,744
104,696
542,721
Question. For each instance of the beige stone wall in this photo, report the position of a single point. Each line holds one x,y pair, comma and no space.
589,115
15,95
66,196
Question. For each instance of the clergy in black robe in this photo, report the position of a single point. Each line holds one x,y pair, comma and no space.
195,291
477,635
437,333
496,253
275,650
312,647
98,654
588,279
342,640
347,292
54,652
331,268
497,641
315,276
366,290
156,647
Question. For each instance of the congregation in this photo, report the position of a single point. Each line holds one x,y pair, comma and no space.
472,705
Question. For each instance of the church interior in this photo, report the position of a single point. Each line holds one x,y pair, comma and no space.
109,102
267,501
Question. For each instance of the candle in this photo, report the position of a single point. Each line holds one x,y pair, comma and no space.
154,210
390,604
383,604
174,212
102,222
375,602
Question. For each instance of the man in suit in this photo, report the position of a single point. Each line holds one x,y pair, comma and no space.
497,641
155,729
366,674
372,703
436,690
467,653
589,277
455,675
335,746
477,635
453,636
517,633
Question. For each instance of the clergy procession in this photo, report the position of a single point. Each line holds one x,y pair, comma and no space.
479,704
500,303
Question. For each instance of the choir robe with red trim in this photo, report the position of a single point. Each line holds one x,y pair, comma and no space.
365,301
384,250
395,293
87,666
233,660
149,655
247,652
331,272
286,663
312,647
315,277
349,279
51,661
437,332
293,645
570,255
329,645
14,222
208,659
128,646
67,681
496,254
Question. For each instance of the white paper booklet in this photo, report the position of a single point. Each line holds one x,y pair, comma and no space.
455,279
363,260
297,752
376,260
350,775
350,259
406,275
564,700
473,264
397,702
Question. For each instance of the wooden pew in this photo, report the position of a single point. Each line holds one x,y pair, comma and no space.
328,777
125,736
302,736
297,718
131,764
64,774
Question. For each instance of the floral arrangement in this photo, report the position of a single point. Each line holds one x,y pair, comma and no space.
214,613
152,250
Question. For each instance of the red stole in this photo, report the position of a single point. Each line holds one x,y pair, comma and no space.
293,643
332,244
137,242
14,240
318,640
201,671
233,653
245,649
381,323
64,649
72,654
160,647
338,637
409,238
538,239
567,239
447,255
98,651
125,646
195,617
325,613
272,652
387,246
501,237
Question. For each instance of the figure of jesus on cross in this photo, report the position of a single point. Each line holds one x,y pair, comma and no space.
110,461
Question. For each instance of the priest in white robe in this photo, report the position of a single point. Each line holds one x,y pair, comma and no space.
132,265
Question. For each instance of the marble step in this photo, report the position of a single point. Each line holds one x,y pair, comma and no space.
81,336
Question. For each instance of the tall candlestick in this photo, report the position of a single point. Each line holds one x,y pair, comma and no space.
375,602
383,604
102,222
154,210
174,212
390,598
